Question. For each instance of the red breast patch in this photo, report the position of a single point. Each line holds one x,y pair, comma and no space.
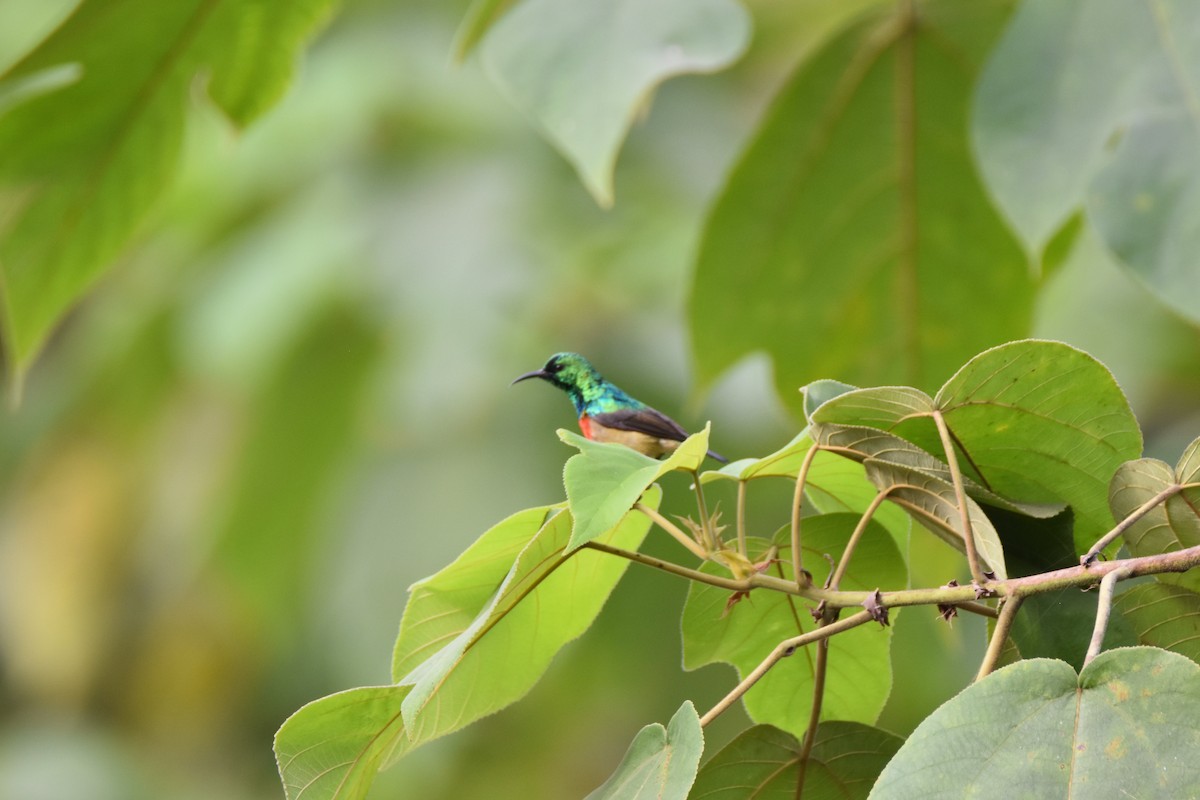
585,425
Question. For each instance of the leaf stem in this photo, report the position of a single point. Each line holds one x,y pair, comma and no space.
844,562
1000,635
741,518
960,495
1139,512
1108,585
782,650
710,538
820,668
670,527
797,503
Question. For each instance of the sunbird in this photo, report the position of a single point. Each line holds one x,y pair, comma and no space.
607,414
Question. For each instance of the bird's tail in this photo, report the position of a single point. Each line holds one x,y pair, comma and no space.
718,457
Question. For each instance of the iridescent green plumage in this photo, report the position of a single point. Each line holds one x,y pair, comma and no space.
606,413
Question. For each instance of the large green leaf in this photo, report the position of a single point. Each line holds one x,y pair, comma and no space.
332,748
87,161
1032,421
604,480
1127,726
1172,525
859,671
854,228
582,70
660,763
1066,80
1163,615
763,763
550,596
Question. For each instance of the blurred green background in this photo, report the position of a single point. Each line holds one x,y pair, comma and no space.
290,401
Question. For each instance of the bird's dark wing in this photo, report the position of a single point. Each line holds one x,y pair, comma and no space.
643,420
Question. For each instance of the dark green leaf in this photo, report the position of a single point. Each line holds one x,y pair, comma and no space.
83,186
1163,615
854,227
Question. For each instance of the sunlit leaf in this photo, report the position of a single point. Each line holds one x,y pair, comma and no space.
550,596
1092,103
332,748
604,480
660,763
582,70
84,186
763,763
853,228
1128,725
859,672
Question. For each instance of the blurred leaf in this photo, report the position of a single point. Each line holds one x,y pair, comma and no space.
583,70
83,187
1169,526
444,605
660,763
300,429
550,596
1163,615
1065,81
853,228
1129,722
332,748
763,763
933,502
481,16
859,673
1033,421
605,480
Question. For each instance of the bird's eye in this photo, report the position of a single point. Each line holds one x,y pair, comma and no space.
553,367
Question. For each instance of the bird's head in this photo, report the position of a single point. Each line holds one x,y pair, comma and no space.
572,373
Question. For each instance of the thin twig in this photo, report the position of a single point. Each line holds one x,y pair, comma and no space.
1124,525
960,495
820,668
741,518
797,502
782,650
1000,635
1103,609
671,528
836,579
710,538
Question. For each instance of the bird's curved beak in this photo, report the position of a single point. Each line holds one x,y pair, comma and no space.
537,373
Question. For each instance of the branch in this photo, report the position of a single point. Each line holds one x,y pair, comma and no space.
782,650
710,538
960,494
1000,635
836,578
820,668
1103,610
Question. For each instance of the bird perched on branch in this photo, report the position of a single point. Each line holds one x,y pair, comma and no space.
607,414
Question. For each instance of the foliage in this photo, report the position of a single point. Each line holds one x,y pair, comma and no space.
226,398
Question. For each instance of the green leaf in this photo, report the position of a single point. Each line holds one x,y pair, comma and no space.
550,596
582,70
818,392
854,228
332,748
783,463
660,763
934,503
82,187
481,16
443,605
763,763
1033,421
1163,615
859,672
1059,625
1130,721
1169,526
1092,103
604,480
